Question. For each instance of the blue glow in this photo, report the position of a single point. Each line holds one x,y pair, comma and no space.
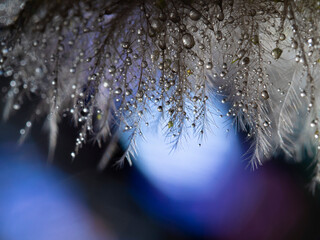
190,170
35,202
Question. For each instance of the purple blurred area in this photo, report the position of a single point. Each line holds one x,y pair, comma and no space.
267,204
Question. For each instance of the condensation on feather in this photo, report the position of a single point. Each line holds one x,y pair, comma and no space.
112,64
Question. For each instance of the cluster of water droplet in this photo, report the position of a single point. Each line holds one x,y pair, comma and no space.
108,62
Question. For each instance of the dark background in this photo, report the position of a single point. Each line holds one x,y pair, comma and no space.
273,202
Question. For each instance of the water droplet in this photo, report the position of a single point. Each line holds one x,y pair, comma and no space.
194,15
230,19
162,44
35,43
112,69
118,91
294,44
128,92
255,39
313,123
155,56
224,66
156,25
108,55
128,61
303,93
144,64
282,37
218,35
209,65
162,16
222,74
16,106
276,53
174,17
241,53
160,109
265,94
220,16
188,41
125,45
245,61
60,47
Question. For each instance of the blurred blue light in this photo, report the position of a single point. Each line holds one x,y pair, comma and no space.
183,183
190,170
35,204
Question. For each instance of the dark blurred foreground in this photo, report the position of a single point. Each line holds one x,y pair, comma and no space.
73,200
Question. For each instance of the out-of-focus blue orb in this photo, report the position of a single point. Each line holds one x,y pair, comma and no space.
189,170
35,203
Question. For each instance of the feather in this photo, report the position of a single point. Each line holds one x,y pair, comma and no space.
52,124
8,106
113,65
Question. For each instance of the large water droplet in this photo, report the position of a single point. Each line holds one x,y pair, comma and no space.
276,53
194,15
188,41
245,61
241,53
220,16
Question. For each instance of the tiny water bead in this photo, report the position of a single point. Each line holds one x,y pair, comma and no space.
156,25
314,123
316,134
209,65
294,44
265,94
112,69
118,91
282,37
303,93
